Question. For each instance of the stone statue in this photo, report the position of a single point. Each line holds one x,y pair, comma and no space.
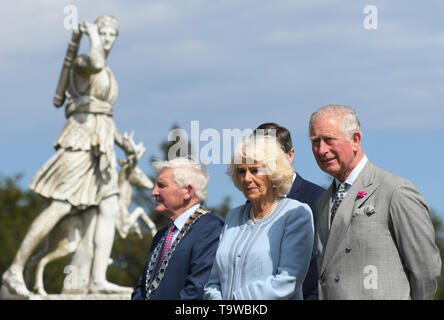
82,173
75,232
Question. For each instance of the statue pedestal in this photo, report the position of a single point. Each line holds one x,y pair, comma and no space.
90,296
5,295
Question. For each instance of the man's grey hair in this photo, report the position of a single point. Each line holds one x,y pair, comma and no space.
349,121
187,172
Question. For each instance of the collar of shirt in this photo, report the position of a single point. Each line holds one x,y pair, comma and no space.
354,174
349,180
180,220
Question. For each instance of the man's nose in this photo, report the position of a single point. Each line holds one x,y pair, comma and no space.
155,191
323,147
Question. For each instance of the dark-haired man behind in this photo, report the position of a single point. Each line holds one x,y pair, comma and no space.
303,191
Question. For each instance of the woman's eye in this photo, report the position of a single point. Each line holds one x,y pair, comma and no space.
241,171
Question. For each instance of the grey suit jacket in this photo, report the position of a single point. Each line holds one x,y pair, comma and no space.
381,246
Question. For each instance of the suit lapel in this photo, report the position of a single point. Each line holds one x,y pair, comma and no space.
367,179
364,181
340,225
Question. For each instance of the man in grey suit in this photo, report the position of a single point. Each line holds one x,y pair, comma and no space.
375,239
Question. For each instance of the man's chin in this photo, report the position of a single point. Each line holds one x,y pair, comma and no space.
160,210
330,169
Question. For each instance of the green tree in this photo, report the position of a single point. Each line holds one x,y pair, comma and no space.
222,209
18,208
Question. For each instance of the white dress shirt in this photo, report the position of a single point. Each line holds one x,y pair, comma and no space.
349,180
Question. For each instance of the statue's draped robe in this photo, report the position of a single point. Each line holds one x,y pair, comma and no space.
83,169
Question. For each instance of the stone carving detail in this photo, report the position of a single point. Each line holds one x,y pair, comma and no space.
89,198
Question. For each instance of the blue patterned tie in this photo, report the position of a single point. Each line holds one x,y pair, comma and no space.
338,199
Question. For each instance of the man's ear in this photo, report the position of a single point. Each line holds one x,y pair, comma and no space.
189,192
291,155
356,138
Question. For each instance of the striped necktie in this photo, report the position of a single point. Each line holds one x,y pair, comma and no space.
338,199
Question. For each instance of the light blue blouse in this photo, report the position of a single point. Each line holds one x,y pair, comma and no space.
264,261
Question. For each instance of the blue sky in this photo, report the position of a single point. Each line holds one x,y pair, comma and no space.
235,64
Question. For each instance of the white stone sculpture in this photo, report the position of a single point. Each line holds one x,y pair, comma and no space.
82,173
74,233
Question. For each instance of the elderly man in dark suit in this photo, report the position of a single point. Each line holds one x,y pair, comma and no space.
375,237
303,191
182,254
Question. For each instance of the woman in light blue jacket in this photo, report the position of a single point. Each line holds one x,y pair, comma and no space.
266,244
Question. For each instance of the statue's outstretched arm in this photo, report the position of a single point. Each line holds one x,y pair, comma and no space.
95,61
124,143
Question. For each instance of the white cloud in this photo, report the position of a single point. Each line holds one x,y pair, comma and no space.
238,53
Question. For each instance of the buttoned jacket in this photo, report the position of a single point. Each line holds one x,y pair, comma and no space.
380,245
190,265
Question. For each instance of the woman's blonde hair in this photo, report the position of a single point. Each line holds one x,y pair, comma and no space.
260,149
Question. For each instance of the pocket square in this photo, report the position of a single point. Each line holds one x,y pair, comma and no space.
369,210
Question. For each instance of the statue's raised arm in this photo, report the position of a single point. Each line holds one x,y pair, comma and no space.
100,45
71,53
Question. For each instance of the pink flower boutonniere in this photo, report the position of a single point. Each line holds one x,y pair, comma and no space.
361,194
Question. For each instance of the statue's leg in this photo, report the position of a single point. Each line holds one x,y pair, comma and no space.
63,248
84,255
12,279
103,242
